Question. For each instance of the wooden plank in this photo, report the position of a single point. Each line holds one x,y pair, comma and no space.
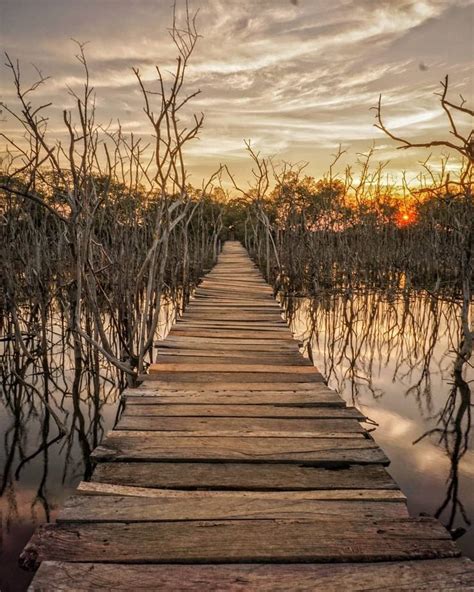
241,369
209,304
221,311
223,380
282,340
287,344
221,298
230,288
250,328
255,335
243,476
236,314
232,357
436,575
249,321
218,321
149,397
129,445
247,291
239,283
244,292
294,388
244,345
359,495
233,426
216,505
159,409
256,326
228,279
242,541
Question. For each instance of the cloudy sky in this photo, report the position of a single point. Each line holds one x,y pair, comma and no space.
297,77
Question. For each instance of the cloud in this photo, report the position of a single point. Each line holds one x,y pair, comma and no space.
297,78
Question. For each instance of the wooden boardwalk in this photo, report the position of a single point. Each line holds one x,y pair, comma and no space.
234,467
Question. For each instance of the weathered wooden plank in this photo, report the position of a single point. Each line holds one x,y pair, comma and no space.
247,290
232,287
198,505
237,476
235,317
221,298
213,305
251,338
242,541
241,369
226,379
236,314
253,334
244,426
246,293
436,575
245,340
224,315
226,280
244,345
110,489
134,424
182,348
233,357
128,445
323,399
295,388
252,326
159,409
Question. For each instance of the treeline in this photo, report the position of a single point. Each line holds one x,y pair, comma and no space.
313,236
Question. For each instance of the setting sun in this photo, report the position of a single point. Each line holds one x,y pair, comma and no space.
405,218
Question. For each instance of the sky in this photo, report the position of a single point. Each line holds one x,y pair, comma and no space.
296,77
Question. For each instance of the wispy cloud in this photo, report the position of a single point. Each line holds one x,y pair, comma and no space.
296,78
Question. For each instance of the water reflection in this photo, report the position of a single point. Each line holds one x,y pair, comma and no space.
402,359
54,410
50,422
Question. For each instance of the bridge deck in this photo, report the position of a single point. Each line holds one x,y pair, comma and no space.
232,457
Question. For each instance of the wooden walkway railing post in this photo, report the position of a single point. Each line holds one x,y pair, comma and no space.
234,467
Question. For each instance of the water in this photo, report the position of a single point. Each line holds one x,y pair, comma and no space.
392,357
39,468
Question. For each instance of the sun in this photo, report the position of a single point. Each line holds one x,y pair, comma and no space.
405,218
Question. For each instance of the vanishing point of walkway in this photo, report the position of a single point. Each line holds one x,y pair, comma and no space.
234,467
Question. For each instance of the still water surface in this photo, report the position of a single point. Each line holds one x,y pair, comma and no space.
392,357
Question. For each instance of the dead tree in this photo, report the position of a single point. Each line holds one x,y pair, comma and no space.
459,142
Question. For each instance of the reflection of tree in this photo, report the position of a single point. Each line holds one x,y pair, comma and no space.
356,334
56,408
454,421
454,427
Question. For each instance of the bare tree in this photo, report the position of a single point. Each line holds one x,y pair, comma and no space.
461,143
84,182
